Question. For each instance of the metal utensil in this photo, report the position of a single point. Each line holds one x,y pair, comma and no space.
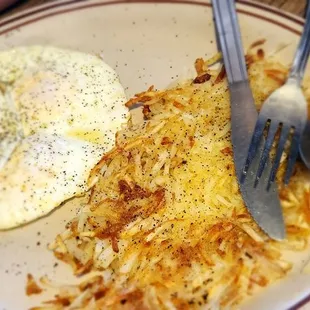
304,147
284,112
264,206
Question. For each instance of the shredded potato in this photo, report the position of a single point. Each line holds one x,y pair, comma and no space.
32,288
166,225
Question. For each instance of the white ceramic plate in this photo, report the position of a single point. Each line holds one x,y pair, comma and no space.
147,43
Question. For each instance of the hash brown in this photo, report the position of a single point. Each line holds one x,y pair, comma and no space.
166,226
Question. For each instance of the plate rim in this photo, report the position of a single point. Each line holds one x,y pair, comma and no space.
59,7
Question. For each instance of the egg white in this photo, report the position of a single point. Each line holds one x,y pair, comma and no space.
64,92
44,171
59,112
10,129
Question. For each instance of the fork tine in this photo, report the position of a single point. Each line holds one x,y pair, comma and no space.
285,130
292,156
273,127
257,135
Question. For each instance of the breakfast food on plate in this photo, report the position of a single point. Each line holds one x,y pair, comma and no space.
59,112
166,226
44,171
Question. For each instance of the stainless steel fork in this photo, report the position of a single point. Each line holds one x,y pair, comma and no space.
285,112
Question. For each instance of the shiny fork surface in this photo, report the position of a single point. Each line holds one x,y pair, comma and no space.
284,112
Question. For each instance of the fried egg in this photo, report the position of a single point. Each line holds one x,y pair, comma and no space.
59,112
42,172
10,129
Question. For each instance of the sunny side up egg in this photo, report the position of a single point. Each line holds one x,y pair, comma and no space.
59,112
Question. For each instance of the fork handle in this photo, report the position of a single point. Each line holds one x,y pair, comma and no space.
302,53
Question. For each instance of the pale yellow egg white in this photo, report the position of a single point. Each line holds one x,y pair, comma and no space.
59,112
65,92
44,171
14,62
10,128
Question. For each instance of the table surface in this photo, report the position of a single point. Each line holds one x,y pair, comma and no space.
293,6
